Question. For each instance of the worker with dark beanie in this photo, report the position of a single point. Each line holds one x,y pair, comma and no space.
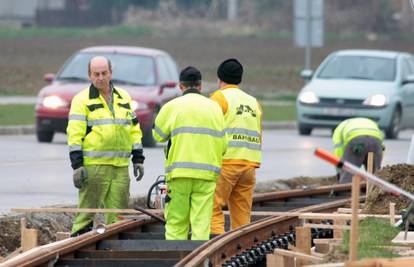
242,116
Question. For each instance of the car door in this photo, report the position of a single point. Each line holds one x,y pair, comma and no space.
407,92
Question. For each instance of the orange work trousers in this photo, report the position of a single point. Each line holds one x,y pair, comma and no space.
234,189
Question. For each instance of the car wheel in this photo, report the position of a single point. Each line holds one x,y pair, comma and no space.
45,136
303,130
394,128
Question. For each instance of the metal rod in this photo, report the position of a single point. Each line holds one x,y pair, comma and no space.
387,186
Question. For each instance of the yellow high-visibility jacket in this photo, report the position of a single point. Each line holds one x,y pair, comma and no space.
96,136
194,127
351,128
243,119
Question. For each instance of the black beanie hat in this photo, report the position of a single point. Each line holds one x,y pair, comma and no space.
190,74
230,71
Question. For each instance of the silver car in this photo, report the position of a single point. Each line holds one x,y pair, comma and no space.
359,83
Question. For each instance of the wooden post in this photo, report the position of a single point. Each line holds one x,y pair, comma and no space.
370,169
273,260
23,224
353,242
303,243
392,213
28,237
339,233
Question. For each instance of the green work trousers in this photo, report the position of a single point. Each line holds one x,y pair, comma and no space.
106,186
190,205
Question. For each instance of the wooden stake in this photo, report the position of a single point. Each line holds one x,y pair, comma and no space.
370,169
392,213
339,233
28,237
273,260
353,243
23,224
303,243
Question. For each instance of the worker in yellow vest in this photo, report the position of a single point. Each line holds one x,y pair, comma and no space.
103,134
193,125
353,140
242,115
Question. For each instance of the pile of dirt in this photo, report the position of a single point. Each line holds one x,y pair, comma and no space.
47,224
402,175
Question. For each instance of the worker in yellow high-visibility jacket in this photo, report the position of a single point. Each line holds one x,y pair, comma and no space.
242,115
353,140
193,125
103,133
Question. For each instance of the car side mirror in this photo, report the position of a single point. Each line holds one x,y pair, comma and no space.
306,74
49,77
408,79
167,85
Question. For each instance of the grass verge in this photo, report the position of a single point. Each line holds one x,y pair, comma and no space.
285,111
24,114
16,114
374,236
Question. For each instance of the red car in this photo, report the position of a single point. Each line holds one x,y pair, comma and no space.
150,76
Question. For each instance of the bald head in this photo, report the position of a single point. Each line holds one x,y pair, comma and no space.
99,61
100,72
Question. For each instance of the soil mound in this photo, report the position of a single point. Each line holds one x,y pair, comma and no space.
402,175
47,224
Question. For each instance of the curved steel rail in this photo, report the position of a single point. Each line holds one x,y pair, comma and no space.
212,253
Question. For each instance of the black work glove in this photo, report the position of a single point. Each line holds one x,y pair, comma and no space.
79,177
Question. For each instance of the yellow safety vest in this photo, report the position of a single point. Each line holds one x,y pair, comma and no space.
351,128
243,127
194,127
103,137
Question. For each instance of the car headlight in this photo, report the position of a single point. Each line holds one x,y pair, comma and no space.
54,101
135,105
308,97
378,100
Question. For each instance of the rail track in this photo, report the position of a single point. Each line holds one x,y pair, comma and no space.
140,241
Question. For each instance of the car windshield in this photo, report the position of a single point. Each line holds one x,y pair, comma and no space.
126,69
359,67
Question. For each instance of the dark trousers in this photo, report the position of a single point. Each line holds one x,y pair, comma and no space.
356,152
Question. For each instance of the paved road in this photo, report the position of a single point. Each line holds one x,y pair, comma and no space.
35,175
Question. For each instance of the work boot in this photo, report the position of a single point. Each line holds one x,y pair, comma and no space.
85,229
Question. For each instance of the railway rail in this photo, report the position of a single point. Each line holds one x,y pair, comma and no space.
140,241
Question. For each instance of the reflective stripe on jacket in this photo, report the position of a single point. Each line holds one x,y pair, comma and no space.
242,114
98,136
351,128
194,127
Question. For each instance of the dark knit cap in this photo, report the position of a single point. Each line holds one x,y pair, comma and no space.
190,74
230,71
